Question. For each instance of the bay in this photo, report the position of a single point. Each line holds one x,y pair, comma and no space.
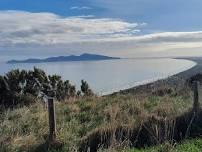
108,76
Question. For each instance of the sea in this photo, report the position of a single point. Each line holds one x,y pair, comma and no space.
108,76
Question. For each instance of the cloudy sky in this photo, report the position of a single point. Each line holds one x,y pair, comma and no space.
128,28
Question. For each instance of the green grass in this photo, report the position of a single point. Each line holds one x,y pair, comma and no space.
192,145
26,128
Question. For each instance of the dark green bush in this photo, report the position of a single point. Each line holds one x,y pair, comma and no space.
24,87
86,89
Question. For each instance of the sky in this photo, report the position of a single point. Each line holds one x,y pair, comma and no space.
129,28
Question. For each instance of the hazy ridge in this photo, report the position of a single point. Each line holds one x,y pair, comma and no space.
82,57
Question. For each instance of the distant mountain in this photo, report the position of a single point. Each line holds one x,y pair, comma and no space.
83,57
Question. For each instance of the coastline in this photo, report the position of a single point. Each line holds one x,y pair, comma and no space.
193,71
169,81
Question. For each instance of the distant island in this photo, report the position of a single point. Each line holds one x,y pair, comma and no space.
82,57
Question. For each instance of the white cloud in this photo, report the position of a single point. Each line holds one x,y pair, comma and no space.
80,8
49,32
19,27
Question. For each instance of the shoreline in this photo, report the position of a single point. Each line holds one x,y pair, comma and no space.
170,80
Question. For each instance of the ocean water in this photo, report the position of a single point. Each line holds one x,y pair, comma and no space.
108,76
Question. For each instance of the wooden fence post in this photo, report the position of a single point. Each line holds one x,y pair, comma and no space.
52,122
196,96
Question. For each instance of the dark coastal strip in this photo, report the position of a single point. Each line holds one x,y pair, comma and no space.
171,81
194,70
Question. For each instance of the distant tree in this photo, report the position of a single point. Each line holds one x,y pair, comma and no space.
86,89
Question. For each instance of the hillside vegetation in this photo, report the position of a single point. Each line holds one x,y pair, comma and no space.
110,123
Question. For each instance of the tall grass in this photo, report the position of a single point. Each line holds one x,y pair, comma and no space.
26,128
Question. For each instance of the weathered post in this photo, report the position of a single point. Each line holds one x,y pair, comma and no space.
52,122
196,96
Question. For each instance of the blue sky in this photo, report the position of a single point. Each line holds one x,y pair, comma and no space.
60,7
162,27
172,15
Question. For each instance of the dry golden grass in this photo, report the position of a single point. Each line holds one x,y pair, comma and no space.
26,128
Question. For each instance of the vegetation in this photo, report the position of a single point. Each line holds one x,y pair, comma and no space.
86,89
191,145
109,123
25,87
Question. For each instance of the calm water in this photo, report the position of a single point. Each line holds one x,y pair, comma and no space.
111,75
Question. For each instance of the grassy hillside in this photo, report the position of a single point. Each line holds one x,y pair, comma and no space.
79,120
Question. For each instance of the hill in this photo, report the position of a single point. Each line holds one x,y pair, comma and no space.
109,123
82,57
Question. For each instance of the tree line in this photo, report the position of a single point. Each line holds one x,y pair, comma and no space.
22,87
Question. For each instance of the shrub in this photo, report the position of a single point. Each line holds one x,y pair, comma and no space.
23,87
86,89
